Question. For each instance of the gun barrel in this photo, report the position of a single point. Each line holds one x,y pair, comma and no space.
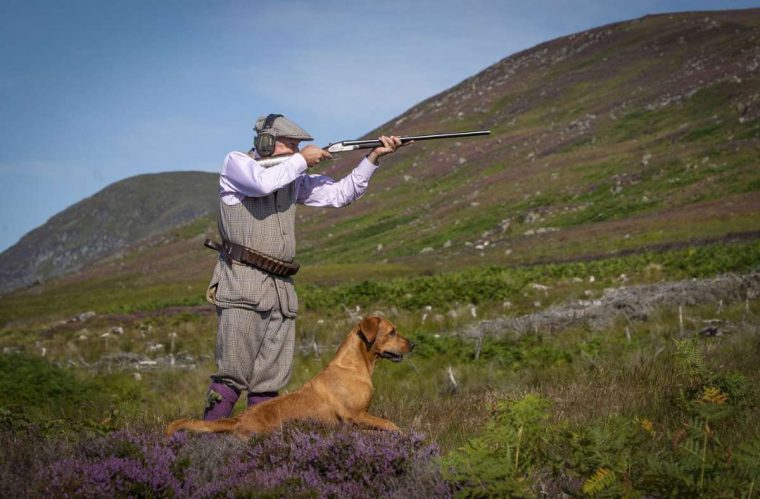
366,144
352,145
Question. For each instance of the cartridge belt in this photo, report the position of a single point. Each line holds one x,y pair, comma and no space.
253,258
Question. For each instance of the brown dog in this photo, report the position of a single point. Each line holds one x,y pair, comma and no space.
342,391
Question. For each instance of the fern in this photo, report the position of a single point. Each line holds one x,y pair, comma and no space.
603,478
498,463
689,359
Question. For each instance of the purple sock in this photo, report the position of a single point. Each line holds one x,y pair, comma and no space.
257,398
220,401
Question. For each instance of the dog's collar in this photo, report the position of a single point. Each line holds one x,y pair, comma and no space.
364,339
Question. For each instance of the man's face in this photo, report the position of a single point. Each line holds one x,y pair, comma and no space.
285,145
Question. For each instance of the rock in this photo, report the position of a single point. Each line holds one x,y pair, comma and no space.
154,347
426,249
85,316
531,217
117,330
710,331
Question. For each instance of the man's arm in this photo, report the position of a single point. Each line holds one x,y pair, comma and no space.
320,190
243,176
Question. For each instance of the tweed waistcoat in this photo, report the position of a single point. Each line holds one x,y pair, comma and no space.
265,224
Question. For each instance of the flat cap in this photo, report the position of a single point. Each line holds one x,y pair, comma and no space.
283,127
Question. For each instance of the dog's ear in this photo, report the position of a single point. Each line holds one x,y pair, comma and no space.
368,329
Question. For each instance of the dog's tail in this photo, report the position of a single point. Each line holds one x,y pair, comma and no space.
220,425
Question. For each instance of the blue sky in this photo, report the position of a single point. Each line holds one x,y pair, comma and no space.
95,91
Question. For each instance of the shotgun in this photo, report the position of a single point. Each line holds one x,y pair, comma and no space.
352,145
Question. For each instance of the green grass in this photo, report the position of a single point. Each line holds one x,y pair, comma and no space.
641,407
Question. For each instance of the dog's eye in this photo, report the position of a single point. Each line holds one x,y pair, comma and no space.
392,333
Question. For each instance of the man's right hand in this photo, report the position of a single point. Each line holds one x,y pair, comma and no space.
313,155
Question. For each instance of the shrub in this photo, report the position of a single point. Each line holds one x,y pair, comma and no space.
298,461
500,461
32,386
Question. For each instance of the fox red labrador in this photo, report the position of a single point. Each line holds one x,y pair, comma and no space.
342,391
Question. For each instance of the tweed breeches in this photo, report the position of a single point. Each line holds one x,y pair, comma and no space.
254,349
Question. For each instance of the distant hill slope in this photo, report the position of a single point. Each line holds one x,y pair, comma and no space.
633,134
114,218
640,134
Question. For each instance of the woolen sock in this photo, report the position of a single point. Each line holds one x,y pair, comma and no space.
220,400
259,397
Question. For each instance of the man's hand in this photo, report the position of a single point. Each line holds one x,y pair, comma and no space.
313,155
390,144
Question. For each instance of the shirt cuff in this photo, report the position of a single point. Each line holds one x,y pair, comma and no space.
366,168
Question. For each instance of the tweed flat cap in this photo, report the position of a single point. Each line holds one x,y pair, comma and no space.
283,127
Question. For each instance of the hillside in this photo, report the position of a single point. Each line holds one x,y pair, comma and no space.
625,136
120,215
636,135
581,286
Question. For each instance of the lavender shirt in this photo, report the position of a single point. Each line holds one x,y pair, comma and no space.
243,177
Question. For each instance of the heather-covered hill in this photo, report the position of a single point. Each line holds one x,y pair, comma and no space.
629,135
582,288
637,135
120,215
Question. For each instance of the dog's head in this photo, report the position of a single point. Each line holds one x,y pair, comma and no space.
381,339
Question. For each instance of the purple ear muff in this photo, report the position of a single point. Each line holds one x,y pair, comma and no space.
265,141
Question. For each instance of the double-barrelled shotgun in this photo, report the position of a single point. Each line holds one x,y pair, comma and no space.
352,145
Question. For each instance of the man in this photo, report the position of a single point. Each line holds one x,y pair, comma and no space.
252,284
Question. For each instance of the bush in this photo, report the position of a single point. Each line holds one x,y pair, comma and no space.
500,461
521,452
298,461
34,387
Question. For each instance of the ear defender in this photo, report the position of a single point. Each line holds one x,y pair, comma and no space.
265,141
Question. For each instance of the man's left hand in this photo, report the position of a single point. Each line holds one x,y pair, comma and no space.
390,144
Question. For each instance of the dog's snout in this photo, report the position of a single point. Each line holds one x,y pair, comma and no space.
411,345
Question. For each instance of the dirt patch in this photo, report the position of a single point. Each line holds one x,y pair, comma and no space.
634,303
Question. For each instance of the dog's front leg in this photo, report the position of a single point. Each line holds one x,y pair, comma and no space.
375,422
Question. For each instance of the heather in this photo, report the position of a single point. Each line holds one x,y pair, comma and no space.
306,460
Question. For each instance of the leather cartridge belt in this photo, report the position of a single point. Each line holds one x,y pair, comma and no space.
253,258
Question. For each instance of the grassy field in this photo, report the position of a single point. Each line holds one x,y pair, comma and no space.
623,160
643,405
